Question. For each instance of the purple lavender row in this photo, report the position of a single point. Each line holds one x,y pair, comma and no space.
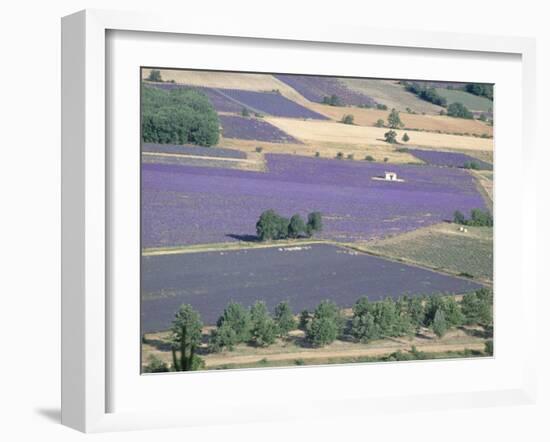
220,152
253,129
449,159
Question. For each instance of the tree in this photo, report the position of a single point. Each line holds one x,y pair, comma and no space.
458,110
154,75
223,337
477,307
391,137
178,116
405,137
363,325
305,317
237,318
264,329
458,217
325,325
417,312
284,319
314,223
439,324
333,100
156,365
296,227
394,121
347,119
245,112
379,123
186,336
268,226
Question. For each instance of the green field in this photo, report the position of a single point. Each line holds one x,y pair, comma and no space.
471,101
443,247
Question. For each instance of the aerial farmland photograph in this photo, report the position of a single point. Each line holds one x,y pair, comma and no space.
298,220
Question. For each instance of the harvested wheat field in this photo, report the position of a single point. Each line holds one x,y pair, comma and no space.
312,132
369,117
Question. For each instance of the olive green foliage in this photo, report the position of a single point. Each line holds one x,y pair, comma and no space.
477,307
391,137
333,100
245,112
347,119
296,227
416,311
478,218
448,306
284,319
325,325
380,106
186,336
271,226
339,155
440,325
314,223
481,89
178,116
474,165
405,137
394,121
489,347
155,365
304,319
233,327
458,110
154,75
379,123
264,330
426,93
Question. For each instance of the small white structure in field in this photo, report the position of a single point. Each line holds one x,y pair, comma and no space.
388,176
463,229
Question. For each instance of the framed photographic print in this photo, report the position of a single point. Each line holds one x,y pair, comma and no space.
248,212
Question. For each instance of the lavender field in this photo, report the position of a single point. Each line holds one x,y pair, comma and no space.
209,281
253,129
184,205
219,152
316,88
448,159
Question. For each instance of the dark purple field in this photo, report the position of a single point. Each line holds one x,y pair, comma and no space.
250,128
448,159
184,205
270,103
209,281
220,152
316,88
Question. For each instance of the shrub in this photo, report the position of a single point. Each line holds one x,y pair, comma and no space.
425,93
369,158
245,112
350,156
458,110
155,365
259,149
304,319
223,337
391,137
380,106
347,119
379,123
405,137
325,325
284,319
317,154
339,155
386,159
333,100
154,75
489,347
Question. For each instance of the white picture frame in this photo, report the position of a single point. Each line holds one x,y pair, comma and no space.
87,205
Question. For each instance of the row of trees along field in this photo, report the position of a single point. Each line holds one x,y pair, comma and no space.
478,218
178,116
369,321
271,225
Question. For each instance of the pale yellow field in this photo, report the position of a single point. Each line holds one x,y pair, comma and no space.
228,80
325,149
313,132
442,123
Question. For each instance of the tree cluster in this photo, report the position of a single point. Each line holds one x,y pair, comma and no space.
458,110
481,89
178,116
426,93
394,120
333,100
272,226
478,218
